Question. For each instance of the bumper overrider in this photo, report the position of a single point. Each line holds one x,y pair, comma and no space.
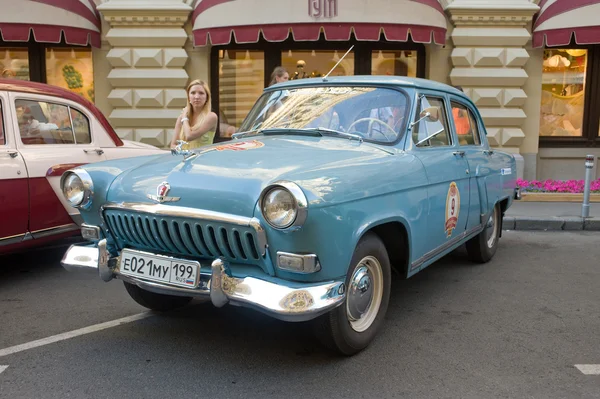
277,299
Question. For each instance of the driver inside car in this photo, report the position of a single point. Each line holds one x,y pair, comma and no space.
392,116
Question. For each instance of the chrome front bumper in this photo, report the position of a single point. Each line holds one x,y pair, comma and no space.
275,299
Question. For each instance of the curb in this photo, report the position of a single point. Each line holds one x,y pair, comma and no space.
573,223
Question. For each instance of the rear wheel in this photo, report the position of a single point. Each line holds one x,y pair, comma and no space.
352,326
483,247
155,301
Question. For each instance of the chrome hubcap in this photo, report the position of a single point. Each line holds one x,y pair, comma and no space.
491,228
364,294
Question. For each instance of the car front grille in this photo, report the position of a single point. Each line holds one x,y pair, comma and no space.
184,236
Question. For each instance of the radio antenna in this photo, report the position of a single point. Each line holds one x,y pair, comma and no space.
341,59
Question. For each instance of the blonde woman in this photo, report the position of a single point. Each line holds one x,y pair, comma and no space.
197,123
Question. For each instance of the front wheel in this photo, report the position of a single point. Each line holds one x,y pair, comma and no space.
155,301
482,247
352,326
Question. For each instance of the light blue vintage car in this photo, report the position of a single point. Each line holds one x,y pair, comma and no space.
330,185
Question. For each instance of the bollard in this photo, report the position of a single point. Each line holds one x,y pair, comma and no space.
589,165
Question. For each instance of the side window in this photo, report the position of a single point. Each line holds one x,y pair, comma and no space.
428,132
2,135
81,126
465,125
44,123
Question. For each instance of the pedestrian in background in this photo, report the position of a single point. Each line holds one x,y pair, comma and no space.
280,74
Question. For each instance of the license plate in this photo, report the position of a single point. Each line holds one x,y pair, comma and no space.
162,269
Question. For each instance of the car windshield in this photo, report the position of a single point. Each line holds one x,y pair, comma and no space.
371,113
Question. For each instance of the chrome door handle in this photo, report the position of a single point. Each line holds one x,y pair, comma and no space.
461,153
488,152
98,151
13,154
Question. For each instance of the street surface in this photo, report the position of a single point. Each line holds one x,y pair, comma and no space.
513,328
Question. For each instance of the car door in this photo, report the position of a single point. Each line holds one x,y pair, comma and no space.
447,173
477,154
53,135
14,192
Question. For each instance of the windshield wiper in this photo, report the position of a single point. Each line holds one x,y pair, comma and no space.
350,136
287,130
239,135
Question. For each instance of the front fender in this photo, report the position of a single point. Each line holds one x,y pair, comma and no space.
333,232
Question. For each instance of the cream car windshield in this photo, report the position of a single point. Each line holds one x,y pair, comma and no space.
370,113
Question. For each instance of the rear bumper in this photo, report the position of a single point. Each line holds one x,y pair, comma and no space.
277,299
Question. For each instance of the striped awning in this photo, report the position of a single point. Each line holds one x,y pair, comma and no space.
219,22
49,21
559,21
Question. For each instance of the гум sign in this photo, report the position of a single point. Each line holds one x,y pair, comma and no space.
322,8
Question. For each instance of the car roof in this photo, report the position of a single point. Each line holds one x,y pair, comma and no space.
24,86
416,83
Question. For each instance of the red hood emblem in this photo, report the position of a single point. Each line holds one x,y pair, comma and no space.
163,189
161,193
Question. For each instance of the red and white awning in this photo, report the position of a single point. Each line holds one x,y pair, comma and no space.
49,20
558,21
216,20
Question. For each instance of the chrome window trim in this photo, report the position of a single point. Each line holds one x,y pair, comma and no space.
192,213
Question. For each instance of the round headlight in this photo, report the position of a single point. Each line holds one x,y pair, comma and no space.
279,208
77,188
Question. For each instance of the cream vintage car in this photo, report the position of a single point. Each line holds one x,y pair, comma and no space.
44,131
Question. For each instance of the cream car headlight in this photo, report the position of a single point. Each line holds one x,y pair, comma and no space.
284,205
77,188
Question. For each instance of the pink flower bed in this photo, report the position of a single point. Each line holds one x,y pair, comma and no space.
556,186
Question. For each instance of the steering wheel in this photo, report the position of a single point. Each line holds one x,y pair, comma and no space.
370,127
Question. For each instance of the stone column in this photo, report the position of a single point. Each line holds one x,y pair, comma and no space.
488,59
148,78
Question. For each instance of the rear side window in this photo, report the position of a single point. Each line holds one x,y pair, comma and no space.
42,122
465,125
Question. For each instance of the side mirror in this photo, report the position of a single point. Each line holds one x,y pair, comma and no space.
431,113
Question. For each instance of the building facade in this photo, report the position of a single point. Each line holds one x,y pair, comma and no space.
531,66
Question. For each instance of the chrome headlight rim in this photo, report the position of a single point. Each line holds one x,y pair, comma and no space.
88,187
300,201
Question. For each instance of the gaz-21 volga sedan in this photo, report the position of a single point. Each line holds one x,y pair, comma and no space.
328,186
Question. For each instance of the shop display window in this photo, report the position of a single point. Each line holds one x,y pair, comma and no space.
72,69
316,63
241,82
394,63
563,92
14,63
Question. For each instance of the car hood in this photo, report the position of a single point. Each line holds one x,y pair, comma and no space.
230,177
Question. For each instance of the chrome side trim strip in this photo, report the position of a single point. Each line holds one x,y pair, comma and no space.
202,214
12,239
54,230
432,254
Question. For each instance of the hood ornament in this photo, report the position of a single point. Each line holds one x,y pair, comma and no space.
178,150
161,194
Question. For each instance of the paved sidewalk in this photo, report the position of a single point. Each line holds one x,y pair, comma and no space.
551,216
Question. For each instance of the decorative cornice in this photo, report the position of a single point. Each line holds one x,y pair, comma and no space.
486,19
488,12
130,13
162,19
